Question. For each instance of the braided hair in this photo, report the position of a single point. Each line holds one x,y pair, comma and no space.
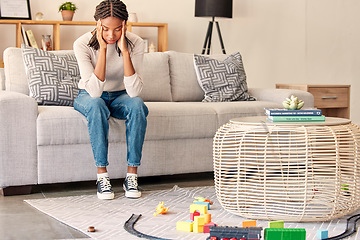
110,8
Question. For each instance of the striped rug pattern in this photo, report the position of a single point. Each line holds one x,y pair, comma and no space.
108,217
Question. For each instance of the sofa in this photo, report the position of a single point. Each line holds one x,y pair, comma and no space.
50,144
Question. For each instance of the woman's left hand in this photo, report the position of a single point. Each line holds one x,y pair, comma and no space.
122,41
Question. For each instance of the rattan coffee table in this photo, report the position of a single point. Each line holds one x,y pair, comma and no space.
300,171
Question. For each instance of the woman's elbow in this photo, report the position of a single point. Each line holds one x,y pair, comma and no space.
94,94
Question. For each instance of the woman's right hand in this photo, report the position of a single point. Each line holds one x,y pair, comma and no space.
99,34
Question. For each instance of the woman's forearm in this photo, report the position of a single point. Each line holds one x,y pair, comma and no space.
128,66
100,67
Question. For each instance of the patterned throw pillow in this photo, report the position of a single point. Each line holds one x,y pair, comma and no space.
222,81
53,78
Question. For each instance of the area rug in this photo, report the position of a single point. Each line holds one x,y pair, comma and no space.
108,217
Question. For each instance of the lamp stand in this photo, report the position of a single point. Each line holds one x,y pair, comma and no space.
207,42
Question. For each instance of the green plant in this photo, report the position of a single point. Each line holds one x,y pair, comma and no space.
293,103
67,6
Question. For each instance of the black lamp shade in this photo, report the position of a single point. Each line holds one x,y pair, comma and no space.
213,8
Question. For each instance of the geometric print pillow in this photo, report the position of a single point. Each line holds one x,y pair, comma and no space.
222,81
53,79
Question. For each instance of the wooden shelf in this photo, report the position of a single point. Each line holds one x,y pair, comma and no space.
162,30
333,100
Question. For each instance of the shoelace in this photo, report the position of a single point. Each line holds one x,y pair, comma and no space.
132,182
105,184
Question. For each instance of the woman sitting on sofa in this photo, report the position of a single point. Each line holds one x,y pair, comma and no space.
110,59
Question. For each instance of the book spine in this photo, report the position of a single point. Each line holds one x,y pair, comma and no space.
31,38
293,112
296,118
25,38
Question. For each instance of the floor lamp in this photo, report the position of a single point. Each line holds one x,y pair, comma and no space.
213,8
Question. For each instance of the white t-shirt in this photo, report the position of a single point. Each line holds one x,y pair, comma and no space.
114,74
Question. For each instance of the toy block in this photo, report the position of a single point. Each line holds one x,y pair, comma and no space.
198,228
192,215
184,226
207,217
285,234
213,238
249,223
276,224
197,207
207,227
199,220
322,234
204,203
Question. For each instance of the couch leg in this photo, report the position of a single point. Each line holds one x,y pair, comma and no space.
16,190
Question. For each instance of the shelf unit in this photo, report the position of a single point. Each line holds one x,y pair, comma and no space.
162,45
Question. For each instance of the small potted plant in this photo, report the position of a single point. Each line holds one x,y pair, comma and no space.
67,10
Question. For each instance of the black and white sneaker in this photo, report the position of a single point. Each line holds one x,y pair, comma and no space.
131,187
104,189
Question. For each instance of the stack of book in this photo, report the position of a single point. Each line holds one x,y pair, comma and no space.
302,115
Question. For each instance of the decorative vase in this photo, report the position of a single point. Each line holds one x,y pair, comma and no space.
46,42
152,48
39,16
67,15
132,17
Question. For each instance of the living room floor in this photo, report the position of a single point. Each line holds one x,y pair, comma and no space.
18,220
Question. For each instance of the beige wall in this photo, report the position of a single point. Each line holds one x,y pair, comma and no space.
282,41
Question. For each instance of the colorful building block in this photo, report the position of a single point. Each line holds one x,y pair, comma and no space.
198,228
197,207
207,227
276,224
204,203
192,215
199,220
322,234
285,234
207,217
184,226
249,223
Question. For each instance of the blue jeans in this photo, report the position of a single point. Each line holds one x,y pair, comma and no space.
119,105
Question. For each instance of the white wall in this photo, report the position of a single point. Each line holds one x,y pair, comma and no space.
281,41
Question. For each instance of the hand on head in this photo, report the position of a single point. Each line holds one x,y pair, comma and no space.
122,41
99,34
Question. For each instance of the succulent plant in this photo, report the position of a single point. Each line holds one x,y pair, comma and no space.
293,103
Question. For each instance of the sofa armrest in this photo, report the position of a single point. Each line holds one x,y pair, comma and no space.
2,79
279,95
18,153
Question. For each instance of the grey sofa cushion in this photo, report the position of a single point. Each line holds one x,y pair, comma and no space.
222,81
173,120
15,76
228,110
184,85
156,77
53,79
61,125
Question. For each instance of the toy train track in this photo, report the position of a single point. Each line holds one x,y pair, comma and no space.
129,227
351,221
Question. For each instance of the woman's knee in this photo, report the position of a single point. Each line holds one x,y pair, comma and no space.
138,106
97,104
96,107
